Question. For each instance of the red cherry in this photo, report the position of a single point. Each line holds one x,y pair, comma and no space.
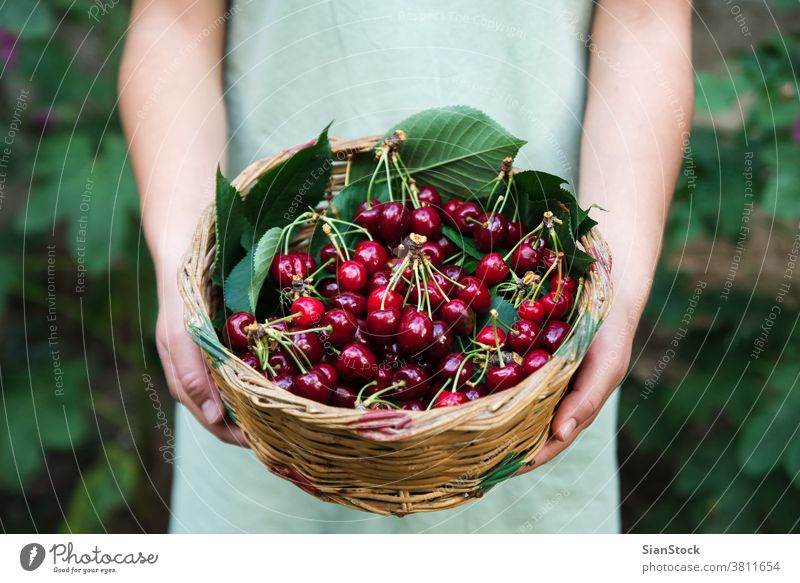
433,252
553,335
312,385
415,332
252,361
233,333
523,336
414,382
442,341
372,255
476,392
383,298
362,335
463,217
368,216
329,253
343,396
413,406
556,305
328,288
448,247
343,326
449,211
532,311
535,360
394,221
514,233
525,258
383,378
492,269
459,316
450,399
567,284
454,272
443,284
284,380
351,276
285,267
328,371
491,336
429,195
309,262
351,302
548,258
356,363
434,295
500,378
491,233
282,363
309,344
378,279
310,311
449,365
475,293
426,221
383,324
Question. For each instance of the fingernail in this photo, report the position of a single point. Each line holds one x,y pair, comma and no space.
210,411
567,429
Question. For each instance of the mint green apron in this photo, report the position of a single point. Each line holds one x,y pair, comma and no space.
291,68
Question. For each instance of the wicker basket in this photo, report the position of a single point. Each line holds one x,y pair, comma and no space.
386,462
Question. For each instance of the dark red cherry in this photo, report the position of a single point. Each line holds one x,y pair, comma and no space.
476,392
491,232
329,253
548,259
523,336
328,288
372,255
454,272
525,258
383,378
309,262
553,335
356,363
492,269
351,276
429,195
556,305
309,344
312,385
383,298
362,335
442,341
449,365
532,311
394,221
328,371
351,302
434,295
343,326
450,399
500,378
343,396
449,212
309,311
413,383
448,247
285,267
368,216
514,234
415,332
426,221
535,360
491,336
464,216
284,380
380,406
413,406
281,362
433,252
475,293
567,284
252,361
234,334
459,316
383,324
378,279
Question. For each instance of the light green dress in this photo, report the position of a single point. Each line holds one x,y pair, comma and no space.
292,67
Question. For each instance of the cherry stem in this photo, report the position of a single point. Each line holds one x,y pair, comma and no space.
288,346
305,217
373,398
404,182
374,175
522,240
318,329
329,228
439,392
575,302
356,228
451,280
388,176
428,266
320,268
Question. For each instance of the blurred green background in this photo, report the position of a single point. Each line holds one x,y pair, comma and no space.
710,418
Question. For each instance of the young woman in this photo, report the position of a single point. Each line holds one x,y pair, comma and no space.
601,90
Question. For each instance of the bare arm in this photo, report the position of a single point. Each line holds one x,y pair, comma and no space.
638,113
170,89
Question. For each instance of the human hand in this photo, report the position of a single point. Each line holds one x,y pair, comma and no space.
187,376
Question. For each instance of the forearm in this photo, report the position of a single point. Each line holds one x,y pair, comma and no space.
638,113
173,115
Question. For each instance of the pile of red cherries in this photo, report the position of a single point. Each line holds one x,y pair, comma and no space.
385,317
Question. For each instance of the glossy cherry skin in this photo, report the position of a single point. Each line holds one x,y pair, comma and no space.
459,316
372,255
475,293
384,298
553,335
362,335
449,365
252,361
415,332
431,196
454,272
383,378
233,333
343,326
378,280
413,406
328,371
414,383
284,380
282,363
328,288
464,216
352,276
448,247
441,343
535,360
450,399
476,392
368,216
449,212
491,232
556,306
383,324
548,258
343,396
567,284
309,262
514,233
433,252
312,385
491,336
500,378
380,407
330,253
285,267
433,293
532,311
426,221
525,258
309,311
492,269
523,336
351,302
309,344
394,221
356,363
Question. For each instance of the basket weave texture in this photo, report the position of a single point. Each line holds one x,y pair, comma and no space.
385,462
